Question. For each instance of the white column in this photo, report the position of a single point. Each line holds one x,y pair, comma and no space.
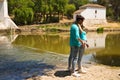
1,11
5,8
5,20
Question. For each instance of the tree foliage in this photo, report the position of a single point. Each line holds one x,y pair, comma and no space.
42,11
49,11
113,8
70,10
23,15
22,11
78,3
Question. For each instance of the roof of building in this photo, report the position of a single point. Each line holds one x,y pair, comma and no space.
79,11
91,5
82,8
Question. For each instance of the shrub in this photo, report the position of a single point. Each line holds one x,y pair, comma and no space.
100,30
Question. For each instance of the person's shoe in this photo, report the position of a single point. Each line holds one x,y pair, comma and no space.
75,74
82,71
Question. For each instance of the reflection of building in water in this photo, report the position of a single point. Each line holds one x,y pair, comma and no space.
96,40
3,39
7,39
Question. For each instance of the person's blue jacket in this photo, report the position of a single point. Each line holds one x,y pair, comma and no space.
74,35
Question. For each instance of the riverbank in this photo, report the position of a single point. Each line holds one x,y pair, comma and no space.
65,27
62,27
110,26
33,69
94,72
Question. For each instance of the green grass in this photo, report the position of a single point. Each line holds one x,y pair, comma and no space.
100,30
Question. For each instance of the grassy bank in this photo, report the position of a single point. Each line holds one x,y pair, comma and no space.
65,27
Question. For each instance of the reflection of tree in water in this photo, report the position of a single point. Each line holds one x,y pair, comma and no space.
112,41
111,54
53,43
95,43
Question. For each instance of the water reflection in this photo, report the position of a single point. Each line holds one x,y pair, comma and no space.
19,62
104,47
96,40
110,55
51,43
5,41
58,43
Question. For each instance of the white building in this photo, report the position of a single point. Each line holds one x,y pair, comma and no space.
93,13
5,21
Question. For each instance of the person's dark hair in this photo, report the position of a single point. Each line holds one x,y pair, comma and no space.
79,17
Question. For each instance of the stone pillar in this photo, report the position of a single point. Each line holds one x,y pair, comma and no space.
1,11
5,8
4,17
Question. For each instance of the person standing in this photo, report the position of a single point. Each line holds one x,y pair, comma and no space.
82,48
77,46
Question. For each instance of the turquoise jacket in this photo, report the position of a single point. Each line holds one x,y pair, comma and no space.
74,35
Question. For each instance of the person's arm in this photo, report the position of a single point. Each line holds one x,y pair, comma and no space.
81,30
81,41
87,45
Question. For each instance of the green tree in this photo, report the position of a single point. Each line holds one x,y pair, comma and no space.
41,9
115,5
49,10
22,11
70,9
113,8
23,16
78,3
60,7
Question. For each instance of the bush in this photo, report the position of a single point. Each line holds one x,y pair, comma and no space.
23,16
100,30
55,19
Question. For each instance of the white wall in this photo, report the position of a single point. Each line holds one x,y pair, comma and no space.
5,21
1,12
91,17
89,13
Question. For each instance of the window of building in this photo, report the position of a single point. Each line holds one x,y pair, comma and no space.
95,11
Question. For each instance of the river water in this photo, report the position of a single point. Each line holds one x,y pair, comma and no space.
23,56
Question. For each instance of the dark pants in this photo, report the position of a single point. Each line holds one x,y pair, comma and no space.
75,57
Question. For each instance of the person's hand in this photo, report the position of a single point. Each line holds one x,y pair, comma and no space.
87,45
83,45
